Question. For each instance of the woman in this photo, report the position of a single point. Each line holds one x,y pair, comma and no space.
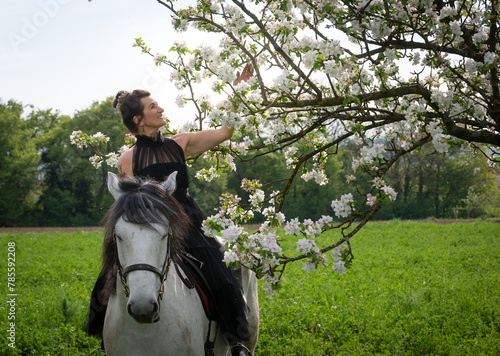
155,156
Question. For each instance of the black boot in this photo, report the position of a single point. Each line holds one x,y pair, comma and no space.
103,350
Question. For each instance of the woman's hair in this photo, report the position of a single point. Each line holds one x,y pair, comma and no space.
130,105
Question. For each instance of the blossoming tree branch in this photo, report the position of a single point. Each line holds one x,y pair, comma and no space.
392,76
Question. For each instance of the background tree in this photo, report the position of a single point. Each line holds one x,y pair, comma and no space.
73,192
436,185
18,162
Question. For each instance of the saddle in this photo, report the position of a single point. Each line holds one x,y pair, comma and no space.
192,277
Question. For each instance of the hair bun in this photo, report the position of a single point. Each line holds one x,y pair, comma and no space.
120,98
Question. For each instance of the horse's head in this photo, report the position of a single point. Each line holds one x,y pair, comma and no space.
144,227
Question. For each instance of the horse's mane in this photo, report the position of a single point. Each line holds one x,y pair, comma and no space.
143,202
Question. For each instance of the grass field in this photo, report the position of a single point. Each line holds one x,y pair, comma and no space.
413,289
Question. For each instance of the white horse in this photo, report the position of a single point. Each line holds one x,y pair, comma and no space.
150,310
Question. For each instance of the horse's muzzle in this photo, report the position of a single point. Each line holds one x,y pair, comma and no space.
144,314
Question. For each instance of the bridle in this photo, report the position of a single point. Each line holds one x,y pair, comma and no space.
145,267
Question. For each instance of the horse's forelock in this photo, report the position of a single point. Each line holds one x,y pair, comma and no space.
142,203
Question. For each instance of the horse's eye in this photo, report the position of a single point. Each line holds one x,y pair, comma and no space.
119,238
163,237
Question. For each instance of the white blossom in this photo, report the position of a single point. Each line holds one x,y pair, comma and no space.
99,136
306,246
391,193
339,267
416,58
325,220
231,256
336,253
310,58
371,199
96,161
311,229
231,234
269,243
292,227
226,73
257,198
268,290
157,58
455,28
489,58
438,138
350,178
180,101
390,54
378,182
183,24
308,266
283,82
368,155
343,207
481,36
112,159
318,173
447,11
207,175
124,149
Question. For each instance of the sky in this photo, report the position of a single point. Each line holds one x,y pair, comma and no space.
66,54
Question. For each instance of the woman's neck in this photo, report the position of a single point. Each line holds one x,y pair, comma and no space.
152,133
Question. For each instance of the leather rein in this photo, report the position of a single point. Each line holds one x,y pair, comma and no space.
146,267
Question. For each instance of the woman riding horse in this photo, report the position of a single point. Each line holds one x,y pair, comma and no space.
154,156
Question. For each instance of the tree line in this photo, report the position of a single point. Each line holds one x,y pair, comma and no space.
46,181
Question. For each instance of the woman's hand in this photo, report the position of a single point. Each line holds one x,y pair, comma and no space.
244,75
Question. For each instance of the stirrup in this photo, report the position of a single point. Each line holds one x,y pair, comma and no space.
240,345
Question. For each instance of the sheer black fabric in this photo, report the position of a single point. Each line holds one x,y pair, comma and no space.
157,159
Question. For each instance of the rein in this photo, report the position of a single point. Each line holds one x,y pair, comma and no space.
145,267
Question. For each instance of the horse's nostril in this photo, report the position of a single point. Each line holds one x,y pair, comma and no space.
129,309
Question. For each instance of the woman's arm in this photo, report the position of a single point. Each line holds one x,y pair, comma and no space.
125,164
198,142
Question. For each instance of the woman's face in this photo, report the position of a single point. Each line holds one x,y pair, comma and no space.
152,115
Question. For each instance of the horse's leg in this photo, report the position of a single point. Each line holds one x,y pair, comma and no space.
248,283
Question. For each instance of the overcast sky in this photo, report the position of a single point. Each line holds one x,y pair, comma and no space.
65,55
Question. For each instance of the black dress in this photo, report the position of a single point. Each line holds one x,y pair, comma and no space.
157,159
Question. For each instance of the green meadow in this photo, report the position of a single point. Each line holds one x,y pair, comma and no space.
414,288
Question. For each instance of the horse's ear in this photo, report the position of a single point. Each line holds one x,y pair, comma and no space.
170,184
113,186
